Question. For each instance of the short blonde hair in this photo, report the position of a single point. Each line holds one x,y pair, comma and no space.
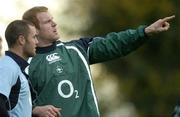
31,15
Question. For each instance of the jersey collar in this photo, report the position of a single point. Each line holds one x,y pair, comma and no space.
20,61
41,50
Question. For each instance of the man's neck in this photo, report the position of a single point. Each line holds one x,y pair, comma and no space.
18,52
44,44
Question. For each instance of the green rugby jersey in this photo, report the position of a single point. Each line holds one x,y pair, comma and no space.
61,76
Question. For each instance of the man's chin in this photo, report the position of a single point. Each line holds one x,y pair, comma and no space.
32,55
57,38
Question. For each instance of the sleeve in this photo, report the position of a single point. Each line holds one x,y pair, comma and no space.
115,45
3,108
8,78
84,43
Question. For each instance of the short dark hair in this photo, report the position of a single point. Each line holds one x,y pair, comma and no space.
31,14
15,29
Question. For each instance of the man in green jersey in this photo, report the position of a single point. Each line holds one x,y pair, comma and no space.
60,71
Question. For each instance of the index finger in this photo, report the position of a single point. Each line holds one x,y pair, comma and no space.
57,110
168,18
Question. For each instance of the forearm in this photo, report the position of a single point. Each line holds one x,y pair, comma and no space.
35,111
116,44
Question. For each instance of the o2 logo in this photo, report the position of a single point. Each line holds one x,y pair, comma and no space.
71,89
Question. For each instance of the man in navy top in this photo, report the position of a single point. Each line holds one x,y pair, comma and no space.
15,96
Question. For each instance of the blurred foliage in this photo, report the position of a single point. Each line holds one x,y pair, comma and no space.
150,76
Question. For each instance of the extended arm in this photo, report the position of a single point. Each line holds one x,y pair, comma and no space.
115,45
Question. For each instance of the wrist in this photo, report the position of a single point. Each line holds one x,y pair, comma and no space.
35,111
148,31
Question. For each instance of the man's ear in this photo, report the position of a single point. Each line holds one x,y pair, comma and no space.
21,40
